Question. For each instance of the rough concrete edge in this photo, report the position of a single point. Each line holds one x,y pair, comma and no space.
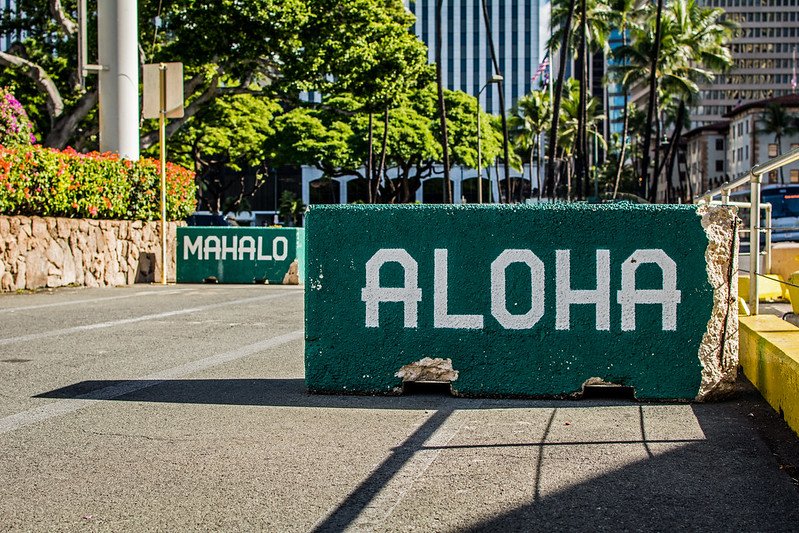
428,369
292,276
718,352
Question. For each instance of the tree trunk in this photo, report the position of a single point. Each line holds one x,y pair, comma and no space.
442,109
650,109
501,90
532,157
579,152
675,142
623,151
369,170
383,149
656,178
553,131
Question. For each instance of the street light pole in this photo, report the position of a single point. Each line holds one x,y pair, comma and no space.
496,78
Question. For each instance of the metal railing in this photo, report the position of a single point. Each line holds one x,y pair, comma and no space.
767,229
754,178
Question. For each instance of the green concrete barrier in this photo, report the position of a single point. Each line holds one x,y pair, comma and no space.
239,254
520,300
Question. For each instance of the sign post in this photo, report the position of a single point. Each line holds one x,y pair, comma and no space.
163,98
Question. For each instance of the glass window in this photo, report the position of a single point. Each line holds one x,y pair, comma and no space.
719,165
719,145
772,150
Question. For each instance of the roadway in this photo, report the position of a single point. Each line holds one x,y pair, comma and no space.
183,408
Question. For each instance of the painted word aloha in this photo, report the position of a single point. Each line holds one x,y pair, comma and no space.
628,297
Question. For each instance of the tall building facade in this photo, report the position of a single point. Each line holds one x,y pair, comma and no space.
519,28
763,54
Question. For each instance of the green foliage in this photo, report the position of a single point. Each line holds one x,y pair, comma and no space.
232,129
15,126
46,182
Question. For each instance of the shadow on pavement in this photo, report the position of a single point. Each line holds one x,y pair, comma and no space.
281,393
728,481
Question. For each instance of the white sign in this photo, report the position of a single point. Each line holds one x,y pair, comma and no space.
151,100
628,297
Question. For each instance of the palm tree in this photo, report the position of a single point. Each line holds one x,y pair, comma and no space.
775,120
593,18
531,117
571,124
565,30
692,47
625,14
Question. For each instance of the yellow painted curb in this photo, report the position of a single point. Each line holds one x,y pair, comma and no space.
769,355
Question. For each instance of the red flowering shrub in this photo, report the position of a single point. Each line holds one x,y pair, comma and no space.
46,182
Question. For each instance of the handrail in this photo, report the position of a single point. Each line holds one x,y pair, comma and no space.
754,178
767,229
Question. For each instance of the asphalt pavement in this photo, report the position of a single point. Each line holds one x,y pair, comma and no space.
183,408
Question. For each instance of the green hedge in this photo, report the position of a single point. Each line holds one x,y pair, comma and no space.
46,182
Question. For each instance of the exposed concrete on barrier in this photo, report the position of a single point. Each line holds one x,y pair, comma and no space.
524,300
770,360
719,349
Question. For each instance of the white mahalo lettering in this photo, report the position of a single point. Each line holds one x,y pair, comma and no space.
668,296
246,246
229,249
498,290
211,248
195,248
261,255
410,294
441,318
281,255
565,296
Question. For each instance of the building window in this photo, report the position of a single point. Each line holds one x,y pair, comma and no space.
719,165
719,144
772,150
794,176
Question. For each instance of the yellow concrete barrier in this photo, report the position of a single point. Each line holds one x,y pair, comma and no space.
769,355
769,288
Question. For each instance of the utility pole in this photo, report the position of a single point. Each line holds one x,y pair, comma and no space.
118,51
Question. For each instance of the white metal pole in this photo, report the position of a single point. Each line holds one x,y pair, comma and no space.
754,243
162,148
479,156
118,50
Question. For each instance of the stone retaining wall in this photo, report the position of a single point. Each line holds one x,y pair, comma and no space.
54,252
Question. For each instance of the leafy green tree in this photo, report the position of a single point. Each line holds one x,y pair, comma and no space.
259,47
223,142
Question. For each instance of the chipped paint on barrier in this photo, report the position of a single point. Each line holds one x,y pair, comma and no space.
524,300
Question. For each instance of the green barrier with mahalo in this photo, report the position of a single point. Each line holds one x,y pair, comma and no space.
528,300
238,254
